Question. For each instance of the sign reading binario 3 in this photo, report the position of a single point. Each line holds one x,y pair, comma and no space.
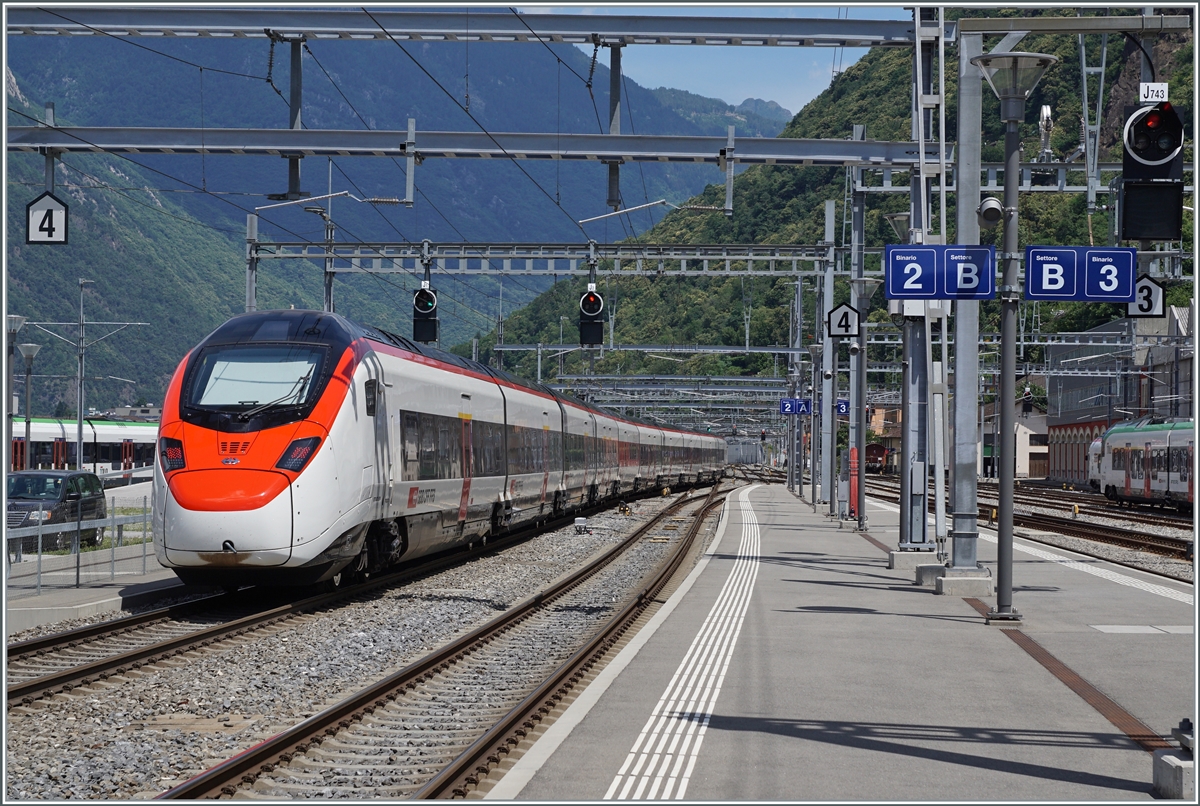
936,271
1081,273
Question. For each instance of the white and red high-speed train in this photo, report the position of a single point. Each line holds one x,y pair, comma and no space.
299,447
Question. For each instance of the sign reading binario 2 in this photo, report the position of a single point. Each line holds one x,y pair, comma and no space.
936,271
1081,273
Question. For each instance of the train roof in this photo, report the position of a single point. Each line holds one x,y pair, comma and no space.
1147,424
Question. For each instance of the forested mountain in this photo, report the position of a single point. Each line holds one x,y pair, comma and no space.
714,116
774,204
163,236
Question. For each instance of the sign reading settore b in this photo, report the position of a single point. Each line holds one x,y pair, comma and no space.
937,271
1080,273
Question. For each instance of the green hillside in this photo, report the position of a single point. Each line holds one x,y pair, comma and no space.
774,204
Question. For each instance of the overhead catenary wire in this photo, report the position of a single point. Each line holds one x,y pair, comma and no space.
297,235
129,41
400,168
474,120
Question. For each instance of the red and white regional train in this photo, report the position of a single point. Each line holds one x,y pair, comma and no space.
298,447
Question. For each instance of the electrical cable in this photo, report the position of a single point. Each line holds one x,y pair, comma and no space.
129,41
586,82
1146,53
474,120
100,185
404,173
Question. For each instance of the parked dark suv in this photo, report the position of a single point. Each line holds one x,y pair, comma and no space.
62,495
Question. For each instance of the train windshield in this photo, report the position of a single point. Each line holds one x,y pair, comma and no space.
250,379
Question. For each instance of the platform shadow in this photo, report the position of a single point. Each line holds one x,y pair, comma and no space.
901,739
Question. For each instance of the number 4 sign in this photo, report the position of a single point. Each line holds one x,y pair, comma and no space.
1147,299
842,322
46,220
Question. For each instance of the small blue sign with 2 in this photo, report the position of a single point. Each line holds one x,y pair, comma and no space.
935,271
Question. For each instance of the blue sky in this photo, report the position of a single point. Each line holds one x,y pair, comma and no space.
790,76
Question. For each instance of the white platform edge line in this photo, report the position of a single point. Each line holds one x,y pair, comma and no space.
528,765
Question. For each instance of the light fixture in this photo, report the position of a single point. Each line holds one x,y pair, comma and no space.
899,222
1012,76
989,212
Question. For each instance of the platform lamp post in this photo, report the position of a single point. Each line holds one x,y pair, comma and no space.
815,351
1012,76
864,290
28,351
15,323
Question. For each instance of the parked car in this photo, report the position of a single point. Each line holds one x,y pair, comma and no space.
64,496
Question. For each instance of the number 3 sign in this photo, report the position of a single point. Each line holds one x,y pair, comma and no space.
1147,299
46,220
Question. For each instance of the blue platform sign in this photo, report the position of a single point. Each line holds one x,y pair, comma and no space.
936,271
787,405
803,405
1081,273
843,407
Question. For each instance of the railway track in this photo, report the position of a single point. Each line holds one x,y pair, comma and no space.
1089,504
437,727
1095,504
64,661
1179,548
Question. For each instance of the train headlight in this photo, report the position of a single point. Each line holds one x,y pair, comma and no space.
298,453
171,453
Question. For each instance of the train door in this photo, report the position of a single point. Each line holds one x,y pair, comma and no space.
18,454
1147,470
378,472
59,456
468,459
1128,451
545,449
1186,470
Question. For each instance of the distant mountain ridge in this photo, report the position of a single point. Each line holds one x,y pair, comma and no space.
765,109
714,116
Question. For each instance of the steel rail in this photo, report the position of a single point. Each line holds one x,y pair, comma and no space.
222,779
67,679
105,629
1161,544
465,772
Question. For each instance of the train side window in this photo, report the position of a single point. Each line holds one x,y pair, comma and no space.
410,441
370,393
428,457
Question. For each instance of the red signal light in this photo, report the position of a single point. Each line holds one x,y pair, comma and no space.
1153,120
591,304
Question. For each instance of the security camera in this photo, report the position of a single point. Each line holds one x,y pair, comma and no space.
989,212
827,374
854,348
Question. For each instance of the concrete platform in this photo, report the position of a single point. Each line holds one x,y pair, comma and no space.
795,665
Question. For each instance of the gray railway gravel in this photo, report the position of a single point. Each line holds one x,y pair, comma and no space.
1154,563
135,736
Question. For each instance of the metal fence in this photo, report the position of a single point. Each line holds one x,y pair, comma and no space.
71,555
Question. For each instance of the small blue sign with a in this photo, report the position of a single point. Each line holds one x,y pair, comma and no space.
1081,273
938,271
795,405
843,407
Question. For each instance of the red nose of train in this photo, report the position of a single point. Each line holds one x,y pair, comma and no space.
226,490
